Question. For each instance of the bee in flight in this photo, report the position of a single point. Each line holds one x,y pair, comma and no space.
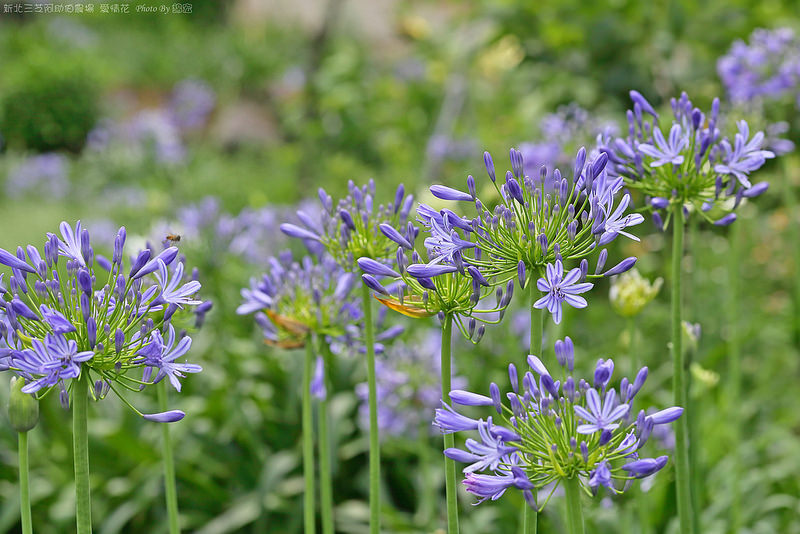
173,239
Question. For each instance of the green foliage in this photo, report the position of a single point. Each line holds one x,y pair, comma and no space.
49,105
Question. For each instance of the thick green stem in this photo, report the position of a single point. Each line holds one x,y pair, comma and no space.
530,517
308,441
325,479
374,443
735,380
80,445
24,492
449,440
572,494
169,464
680,396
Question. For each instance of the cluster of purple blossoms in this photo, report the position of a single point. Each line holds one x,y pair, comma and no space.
766,68
46,174
62,317
550,431
421,288
409,386
296,299
350,229
536,222
688,161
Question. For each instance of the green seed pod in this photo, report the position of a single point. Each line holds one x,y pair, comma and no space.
23,409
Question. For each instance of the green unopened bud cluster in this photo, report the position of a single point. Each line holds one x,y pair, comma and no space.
631,292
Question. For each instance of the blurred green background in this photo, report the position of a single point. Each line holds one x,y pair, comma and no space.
215,124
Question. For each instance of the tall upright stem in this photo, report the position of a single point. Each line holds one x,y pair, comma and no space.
572,493
427,493
530,517
374,443
308,442
80,446
325,480
169,464
24,492
449,439
734,383
680,396
790,200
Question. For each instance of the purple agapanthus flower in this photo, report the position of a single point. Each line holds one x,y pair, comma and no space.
161,355
597,444
560,288
92,315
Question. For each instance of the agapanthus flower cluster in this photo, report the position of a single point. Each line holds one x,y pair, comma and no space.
293,300
418,288
409,386
688,161
765,68
45,174
630,292
67,312
549,430
350,229
537,227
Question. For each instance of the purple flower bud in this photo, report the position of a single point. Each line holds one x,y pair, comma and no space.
467,398
513,378
601,261
375,268
86,306
621,267
448,193
645,467
6,258
171,416
667,415
658,222
521,273
325,200
487,161
22,309
602,372
85,281
421,270
86,247
427,283
584,268
495,393
726,220
140,261
605,436
536,364
659,202
104,263
347,219
638,382
756,189
398,197
645,106
585,452
119,340
389,231
477,276
549,385
515,190
373,284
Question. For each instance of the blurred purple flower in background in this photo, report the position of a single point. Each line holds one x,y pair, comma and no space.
409,387
45,174
191,103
